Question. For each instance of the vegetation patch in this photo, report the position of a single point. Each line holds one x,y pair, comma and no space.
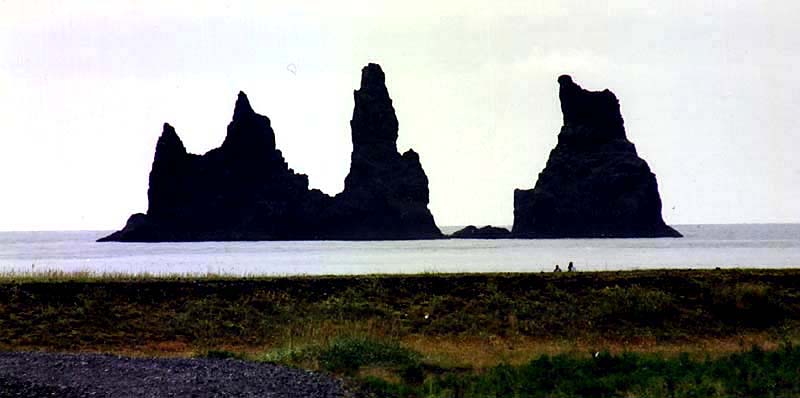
659,333
63,312
349,354
648,306
750,304
754,373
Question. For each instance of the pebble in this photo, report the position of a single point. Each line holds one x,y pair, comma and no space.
30,374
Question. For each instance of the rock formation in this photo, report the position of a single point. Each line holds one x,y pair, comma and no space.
244,190
486,232
594,183
385,194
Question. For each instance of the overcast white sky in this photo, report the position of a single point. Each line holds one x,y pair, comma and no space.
707,90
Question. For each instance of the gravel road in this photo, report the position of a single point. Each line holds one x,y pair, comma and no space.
26,374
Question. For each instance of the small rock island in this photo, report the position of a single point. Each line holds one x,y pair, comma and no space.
594,184
244,190
485,232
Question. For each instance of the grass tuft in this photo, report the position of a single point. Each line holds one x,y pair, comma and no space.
348,354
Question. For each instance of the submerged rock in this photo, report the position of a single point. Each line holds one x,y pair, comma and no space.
594,184
244,190
486,232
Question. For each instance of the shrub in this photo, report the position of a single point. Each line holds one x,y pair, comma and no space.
634,303
292,356
348,354
748,304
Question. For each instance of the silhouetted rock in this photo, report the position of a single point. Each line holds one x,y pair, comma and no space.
594,183
385,193
487,232
244,190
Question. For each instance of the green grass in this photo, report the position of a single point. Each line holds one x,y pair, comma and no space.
754,373
403,373
349,354
346,355
664,333
65,311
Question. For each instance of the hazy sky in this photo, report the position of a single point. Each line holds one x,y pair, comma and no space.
707,91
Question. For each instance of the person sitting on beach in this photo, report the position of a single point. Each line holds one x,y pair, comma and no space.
570,267
558,269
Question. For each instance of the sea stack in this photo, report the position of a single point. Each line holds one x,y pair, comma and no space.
244,190
594,184
385,193
485,232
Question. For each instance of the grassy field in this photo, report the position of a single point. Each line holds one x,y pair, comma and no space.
438,335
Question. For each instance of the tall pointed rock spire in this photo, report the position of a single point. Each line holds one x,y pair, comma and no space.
169,164
386,193
242,107
374,125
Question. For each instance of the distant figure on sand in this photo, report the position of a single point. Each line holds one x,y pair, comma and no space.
558,269
570,267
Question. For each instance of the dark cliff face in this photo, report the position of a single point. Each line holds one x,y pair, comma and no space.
594,183
244,190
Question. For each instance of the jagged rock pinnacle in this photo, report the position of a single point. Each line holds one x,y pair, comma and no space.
244,190
374,124
386,193
249,134
598,109
169,142
373,79
242,107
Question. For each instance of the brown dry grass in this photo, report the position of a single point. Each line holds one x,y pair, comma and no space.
480,353
483,353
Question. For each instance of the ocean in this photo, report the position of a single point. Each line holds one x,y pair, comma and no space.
704,246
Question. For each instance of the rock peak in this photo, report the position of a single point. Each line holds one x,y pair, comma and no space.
169,132
374,124
594,109
249,132
242,106
372,77
169,142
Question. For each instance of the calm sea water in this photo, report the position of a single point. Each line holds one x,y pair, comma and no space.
704,246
